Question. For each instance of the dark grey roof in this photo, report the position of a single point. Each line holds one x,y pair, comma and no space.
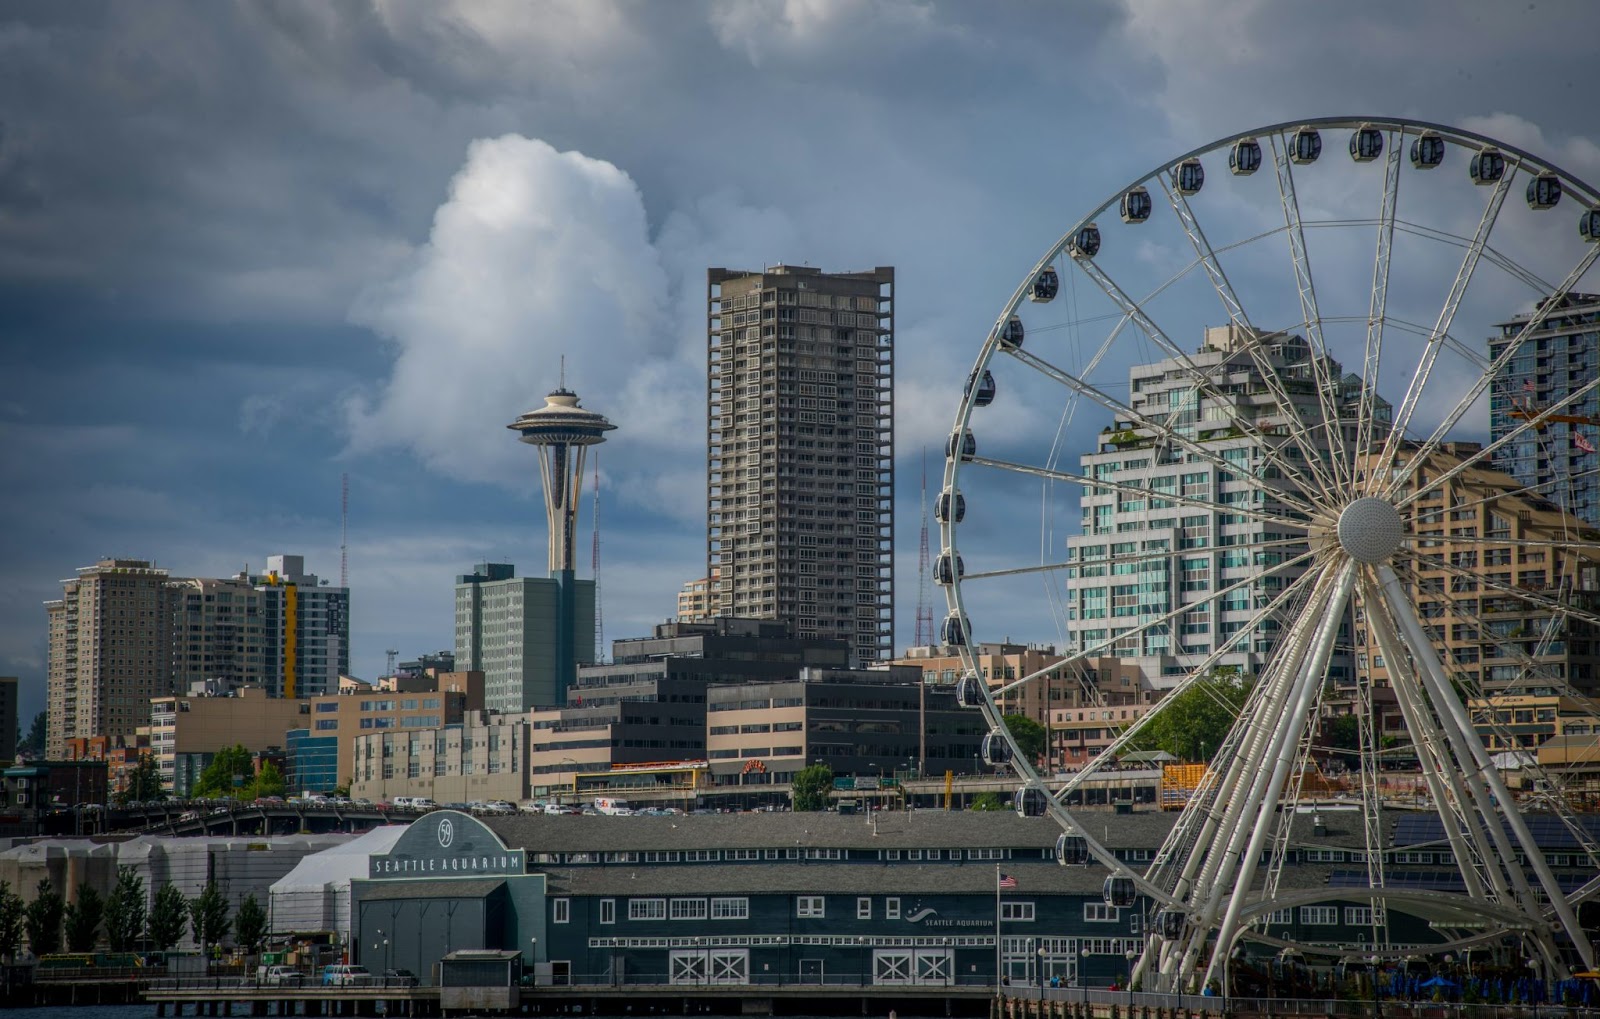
447,888
917,829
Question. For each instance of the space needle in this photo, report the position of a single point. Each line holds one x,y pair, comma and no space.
562,430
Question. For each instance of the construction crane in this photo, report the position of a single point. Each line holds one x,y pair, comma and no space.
1545,419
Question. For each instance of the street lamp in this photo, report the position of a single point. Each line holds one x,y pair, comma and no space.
1130,955
1083,972
1040,953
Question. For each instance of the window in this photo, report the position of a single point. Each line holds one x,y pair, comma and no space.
730,909
1358,916
1022,911
986,854
1281,916
647,909
1100,912
560,910
864,908
608,910
809,906
891,909
1319,915
688,909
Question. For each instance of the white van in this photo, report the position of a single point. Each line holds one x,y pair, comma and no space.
401,802
611,805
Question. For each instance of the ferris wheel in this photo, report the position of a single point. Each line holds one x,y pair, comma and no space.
1313,422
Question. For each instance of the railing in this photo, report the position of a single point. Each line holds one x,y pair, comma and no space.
308,982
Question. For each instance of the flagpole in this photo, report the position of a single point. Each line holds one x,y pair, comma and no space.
997,956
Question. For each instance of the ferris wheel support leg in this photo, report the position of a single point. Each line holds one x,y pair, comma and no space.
1475,859
1486,773
1312,675
1248,771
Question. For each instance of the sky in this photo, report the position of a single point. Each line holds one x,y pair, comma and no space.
248,248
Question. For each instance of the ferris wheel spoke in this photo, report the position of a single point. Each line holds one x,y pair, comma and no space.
1482,778
1522,594
1500,261
1300,258
1497,494
1447,314
1162,433
1093,650
1496,368
1377,308
1112,486
1534,421
1571,544
1121,560
1200,673
1231,305
1201,377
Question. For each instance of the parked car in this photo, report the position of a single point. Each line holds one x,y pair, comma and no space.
399,978
279,976
498,807
345,976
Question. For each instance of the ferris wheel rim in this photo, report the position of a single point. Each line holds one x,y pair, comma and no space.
1525,162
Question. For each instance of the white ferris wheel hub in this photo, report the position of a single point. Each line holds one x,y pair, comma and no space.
1370,530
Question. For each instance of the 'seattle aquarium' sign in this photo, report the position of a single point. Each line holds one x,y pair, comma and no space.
448,844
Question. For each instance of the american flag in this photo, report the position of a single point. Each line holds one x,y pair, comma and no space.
1580,441
1007,881
1527,385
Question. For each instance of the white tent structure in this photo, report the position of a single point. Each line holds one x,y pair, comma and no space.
315,895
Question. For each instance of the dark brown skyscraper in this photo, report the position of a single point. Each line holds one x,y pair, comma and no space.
800,451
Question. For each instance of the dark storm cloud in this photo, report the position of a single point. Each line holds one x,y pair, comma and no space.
196,199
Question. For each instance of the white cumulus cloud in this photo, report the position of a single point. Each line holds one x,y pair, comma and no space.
536,254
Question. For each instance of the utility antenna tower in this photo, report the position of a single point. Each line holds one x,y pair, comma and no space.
594,566
344,533
924,635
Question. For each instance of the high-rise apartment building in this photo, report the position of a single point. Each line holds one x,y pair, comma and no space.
694,599
800,451
217,632
507,628
306,629
110,651
1211,547
1562,356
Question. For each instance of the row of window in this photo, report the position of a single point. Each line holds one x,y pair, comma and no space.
807,907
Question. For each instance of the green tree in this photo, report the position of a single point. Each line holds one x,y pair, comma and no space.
1192,725
32,745
1342,734
42,919
126,911
208,917
250,924
144,782
83,919
12,915
1030,736
810,787
987,801
269,782
217,778
169,914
